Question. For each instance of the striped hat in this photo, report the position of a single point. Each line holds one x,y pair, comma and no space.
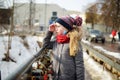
68,21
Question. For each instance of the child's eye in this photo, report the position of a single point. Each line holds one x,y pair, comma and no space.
57,26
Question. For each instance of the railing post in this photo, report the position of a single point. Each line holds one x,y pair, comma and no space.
0,75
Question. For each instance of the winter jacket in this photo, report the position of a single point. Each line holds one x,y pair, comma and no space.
114,33
65,66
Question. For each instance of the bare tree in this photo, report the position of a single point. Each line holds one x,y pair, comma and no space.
91,15
31,14
7,54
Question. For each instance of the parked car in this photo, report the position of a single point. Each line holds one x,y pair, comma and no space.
95,35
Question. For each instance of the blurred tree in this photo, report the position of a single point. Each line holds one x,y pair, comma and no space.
111,13
106,12
91,15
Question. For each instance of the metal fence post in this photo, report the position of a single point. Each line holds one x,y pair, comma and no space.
0,75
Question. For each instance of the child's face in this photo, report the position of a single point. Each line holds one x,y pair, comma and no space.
59,29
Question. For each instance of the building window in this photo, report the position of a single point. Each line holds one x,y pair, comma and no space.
54,13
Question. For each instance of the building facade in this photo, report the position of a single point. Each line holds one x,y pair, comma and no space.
41,14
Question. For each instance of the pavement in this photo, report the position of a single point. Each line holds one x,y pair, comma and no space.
113,47
87,75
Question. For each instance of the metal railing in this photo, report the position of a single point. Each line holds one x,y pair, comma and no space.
102,56
18,75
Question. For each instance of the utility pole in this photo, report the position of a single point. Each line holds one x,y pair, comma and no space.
31,13
45,14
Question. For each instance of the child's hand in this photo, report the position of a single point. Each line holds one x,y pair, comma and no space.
52,27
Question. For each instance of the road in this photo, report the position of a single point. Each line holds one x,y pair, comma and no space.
113,47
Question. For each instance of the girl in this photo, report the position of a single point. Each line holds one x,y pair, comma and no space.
67,54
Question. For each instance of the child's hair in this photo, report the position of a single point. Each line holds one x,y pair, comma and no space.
75,38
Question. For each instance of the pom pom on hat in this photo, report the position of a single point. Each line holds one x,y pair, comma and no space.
78,21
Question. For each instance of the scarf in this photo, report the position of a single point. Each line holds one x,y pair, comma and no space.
62,39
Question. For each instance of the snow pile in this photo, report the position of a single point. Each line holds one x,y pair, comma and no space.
95,69
18,52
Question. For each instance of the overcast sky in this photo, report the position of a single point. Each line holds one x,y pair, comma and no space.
78,5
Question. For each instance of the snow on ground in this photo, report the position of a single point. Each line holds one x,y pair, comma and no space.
96,70
22,55
18,52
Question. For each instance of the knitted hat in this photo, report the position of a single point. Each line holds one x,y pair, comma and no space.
68,21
